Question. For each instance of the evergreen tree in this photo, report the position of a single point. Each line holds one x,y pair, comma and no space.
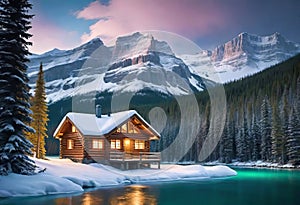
40,117
285,123
256,135
293,141
14,95
266,130
277,136
248,139
241,141
228,142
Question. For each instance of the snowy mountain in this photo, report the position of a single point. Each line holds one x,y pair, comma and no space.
136,63
141,63
244,55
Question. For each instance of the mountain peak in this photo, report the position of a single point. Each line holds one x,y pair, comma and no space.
138,44
53,52
94,41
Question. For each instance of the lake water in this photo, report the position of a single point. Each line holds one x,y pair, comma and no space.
250,187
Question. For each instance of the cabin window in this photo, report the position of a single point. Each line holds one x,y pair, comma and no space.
115,144
73,128
139,144
131,128
124,128
97,144
127,128
70,144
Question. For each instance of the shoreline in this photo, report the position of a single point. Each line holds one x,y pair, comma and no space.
254,164
64,176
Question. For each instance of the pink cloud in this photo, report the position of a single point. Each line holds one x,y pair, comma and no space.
47,36
191,18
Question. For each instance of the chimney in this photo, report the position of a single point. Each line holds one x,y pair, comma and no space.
98,111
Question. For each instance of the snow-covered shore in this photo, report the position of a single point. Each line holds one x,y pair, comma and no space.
65,176
258,164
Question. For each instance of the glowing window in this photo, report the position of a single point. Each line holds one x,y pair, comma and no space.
97,144
139,144
131,128
73,128
118,129
115,144
124,128
70,144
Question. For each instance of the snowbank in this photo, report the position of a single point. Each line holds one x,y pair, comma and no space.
65,176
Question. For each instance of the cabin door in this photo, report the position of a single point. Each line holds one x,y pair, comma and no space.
127,145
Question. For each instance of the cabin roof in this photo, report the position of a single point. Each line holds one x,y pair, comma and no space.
89,124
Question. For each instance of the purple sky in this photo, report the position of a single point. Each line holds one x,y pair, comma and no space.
65,24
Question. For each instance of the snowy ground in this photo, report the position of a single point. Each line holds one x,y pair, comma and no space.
255,164
65,176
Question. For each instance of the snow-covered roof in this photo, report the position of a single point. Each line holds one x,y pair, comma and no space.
90,125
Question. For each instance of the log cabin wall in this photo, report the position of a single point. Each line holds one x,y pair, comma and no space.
95,154
131,138
76,153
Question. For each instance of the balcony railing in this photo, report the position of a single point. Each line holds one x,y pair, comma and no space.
135,157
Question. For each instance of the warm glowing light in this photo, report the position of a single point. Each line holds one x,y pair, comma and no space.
115,144
135,195
126,142
70,144
73,128
139,144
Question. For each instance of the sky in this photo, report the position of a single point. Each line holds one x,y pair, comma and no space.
65,24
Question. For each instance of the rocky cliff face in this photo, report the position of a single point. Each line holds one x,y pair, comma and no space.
244,55
134,63
139,61
248,49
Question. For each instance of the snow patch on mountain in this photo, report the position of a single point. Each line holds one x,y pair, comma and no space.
136,62
140,62
244,55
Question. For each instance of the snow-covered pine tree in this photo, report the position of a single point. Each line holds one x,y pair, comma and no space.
248,139
285,123
241,144
14,95
277,136
256,135
293,141
40,117
228,142
266,130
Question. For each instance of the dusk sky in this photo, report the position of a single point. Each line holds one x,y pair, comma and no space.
65,24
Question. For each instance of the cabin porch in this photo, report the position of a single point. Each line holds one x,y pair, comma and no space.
127,160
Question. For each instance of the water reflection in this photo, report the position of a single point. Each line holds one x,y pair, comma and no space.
131,195
134,195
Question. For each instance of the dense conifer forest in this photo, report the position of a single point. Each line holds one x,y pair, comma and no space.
262,118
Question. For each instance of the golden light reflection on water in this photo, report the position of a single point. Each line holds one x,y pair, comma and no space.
131,195
134,195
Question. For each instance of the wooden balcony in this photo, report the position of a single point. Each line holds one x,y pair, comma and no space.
140,158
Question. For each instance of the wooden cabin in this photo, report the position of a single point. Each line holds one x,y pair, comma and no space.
120,139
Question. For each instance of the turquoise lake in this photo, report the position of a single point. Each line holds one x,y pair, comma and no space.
249,187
